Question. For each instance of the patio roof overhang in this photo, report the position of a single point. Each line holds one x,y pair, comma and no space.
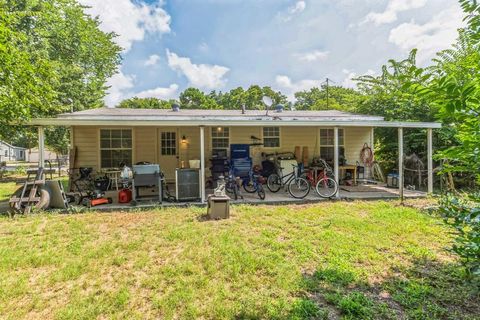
202,117
270,121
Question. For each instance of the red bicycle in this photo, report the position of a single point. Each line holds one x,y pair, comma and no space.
321,179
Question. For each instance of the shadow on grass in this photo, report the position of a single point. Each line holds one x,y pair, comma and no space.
427,290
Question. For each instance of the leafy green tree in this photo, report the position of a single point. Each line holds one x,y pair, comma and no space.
27,79
193,98
70,56
393,95
339,98
145,103
250,98
455,89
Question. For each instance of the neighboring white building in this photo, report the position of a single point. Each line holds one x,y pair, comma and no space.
33,155
11,153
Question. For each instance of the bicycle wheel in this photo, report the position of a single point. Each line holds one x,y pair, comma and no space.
261,192
274,182
232,188
326,187
249,186
299,188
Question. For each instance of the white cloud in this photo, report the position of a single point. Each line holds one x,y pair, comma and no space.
152,60
315,55
160,92
288,87
297,8
348,82
437,34
121,87
199,75
129,19
391,12
119,84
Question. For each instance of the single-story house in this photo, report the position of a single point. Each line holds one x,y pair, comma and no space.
106,136
33,155
9,152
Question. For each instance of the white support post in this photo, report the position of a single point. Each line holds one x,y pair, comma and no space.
430,161
400,163
335,158
41,147
202,163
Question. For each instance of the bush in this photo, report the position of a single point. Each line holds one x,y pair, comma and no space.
463,214
20,170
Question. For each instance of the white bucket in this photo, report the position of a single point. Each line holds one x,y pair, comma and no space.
194,164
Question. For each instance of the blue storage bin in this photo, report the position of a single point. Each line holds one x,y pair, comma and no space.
238,151
241,167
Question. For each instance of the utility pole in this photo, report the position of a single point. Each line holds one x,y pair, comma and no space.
328,105
327,81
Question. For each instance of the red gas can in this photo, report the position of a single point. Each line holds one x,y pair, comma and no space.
125,196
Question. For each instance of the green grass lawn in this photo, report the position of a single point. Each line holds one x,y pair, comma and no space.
352,260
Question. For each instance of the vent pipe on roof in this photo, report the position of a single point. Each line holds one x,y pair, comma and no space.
175,107
279,108
243,109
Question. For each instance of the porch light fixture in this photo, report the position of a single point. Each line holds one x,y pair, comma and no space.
184,139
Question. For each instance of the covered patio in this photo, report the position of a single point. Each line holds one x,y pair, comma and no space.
194,139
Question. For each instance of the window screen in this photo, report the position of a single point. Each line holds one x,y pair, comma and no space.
220,140
169,143
115,147
327,143
271,137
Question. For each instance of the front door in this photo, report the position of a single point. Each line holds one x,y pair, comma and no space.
168,158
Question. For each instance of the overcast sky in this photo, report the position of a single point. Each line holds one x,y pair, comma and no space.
289,45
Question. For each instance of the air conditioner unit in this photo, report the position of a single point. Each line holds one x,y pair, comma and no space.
187,186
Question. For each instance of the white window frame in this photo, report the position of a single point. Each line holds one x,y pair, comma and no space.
121,148
272,137
213,139
341,144
170,147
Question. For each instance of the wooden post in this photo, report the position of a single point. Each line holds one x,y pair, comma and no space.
430,161
400,163
335,158
41,147
202,163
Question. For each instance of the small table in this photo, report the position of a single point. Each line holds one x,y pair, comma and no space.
113,176
350,167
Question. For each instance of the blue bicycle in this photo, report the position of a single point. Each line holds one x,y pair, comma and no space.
252,183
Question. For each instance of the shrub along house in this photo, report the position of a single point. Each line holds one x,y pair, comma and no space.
104,137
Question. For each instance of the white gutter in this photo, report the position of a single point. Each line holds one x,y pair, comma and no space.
225,122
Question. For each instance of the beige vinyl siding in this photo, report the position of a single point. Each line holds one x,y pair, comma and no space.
354,140
146,140
145,144
191,149
86,141
290,137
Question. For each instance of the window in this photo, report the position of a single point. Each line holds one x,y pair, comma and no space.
327,143
220,140
169,143
271,137
115,147
6,153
